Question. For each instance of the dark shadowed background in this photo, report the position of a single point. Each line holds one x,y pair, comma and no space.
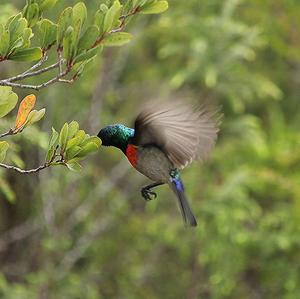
91,235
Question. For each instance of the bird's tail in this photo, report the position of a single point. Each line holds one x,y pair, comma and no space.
188,217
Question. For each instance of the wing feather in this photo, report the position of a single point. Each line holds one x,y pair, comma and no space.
181,131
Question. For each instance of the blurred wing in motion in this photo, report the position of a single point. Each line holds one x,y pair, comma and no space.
182,132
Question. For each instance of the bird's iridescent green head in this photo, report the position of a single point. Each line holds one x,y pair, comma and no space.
116,135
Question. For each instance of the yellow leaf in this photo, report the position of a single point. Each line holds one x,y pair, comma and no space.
24,109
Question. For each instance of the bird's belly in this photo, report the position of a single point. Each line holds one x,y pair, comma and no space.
153,163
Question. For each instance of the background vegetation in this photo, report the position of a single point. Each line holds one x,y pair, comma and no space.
91,235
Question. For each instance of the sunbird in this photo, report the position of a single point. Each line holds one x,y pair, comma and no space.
165,139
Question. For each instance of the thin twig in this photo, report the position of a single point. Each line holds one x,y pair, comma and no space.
30,171
41,167
36,87
9,132
24,171
60,60
31,74
67,80
35,66
119,29
124,17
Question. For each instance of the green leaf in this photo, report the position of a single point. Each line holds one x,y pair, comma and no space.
90,139
73,129
16,30
79,67
87,149
88,38
47,32
88,54
112,14
8,100
52,144
104,8
32,13
3,149
5,41
64,21
99,20
34,116
12,22
78,17
154,7
30,54
50,154
69,43
27,35
63,137
53,139
116,39
75,39
17,44
77,139
74,165
79,13
73,152
47,4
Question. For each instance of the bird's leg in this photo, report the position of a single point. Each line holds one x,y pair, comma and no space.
147,193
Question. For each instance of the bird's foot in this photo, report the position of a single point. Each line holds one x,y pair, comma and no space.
148,194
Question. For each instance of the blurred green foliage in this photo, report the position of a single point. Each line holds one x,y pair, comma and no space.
91,235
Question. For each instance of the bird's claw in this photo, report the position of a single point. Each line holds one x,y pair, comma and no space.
147,194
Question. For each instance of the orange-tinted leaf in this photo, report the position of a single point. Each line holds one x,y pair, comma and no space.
24,109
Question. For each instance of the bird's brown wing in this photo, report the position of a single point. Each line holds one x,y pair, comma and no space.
182,132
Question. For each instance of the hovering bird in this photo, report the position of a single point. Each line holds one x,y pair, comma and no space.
165,139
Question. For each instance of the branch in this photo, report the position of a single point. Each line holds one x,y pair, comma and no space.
49,163
60,60
38,64
31,71
37,87
30,171
9,132
30,74
131,13
23,171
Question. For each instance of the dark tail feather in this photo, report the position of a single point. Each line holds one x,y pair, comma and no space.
188,217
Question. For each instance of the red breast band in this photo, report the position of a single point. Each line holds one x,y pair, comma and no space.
131,154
